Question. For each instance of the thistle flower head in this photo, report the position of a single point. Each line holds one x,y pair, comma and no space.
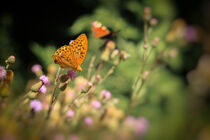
88,121
36,105
2,72
71,74
153,21
96,104
36,68
70,113
106,94
45,80
43,89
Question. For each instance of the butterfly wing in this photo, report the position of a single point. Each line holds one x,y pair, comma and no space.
79,49
99,30
61,57
72,56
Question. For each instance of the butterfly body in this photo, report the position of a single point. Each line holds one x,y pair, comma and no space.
72,55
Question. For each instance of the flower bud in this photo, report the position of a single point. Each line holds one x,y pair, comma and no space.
153,22
32,95
63,78
37,69
63,86
110,45
98,78
145,74
155,41
145,46
105,55
124,55
11,59
87,87
114,53
147,13
37,86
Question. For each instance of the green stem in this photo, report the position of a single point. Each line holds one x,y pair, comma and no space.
145,32
91,66
54,97
72,102
144,60
111,70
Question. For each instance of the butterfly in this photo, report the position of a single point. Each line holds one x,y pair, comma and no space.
100,31
72,55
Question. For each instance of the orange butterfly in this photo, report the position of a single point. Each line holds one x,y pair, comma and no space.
100,31
72,55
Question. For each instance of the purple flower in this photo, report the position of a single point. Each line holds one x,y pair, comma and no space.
45,80
36,68
191,33
36,105
3,72
43,89
71,41
71,74
70,113
96,104
106,94
88,120
141,126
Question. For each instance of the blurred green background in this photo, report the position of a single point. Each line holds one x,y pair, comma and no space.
32,32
